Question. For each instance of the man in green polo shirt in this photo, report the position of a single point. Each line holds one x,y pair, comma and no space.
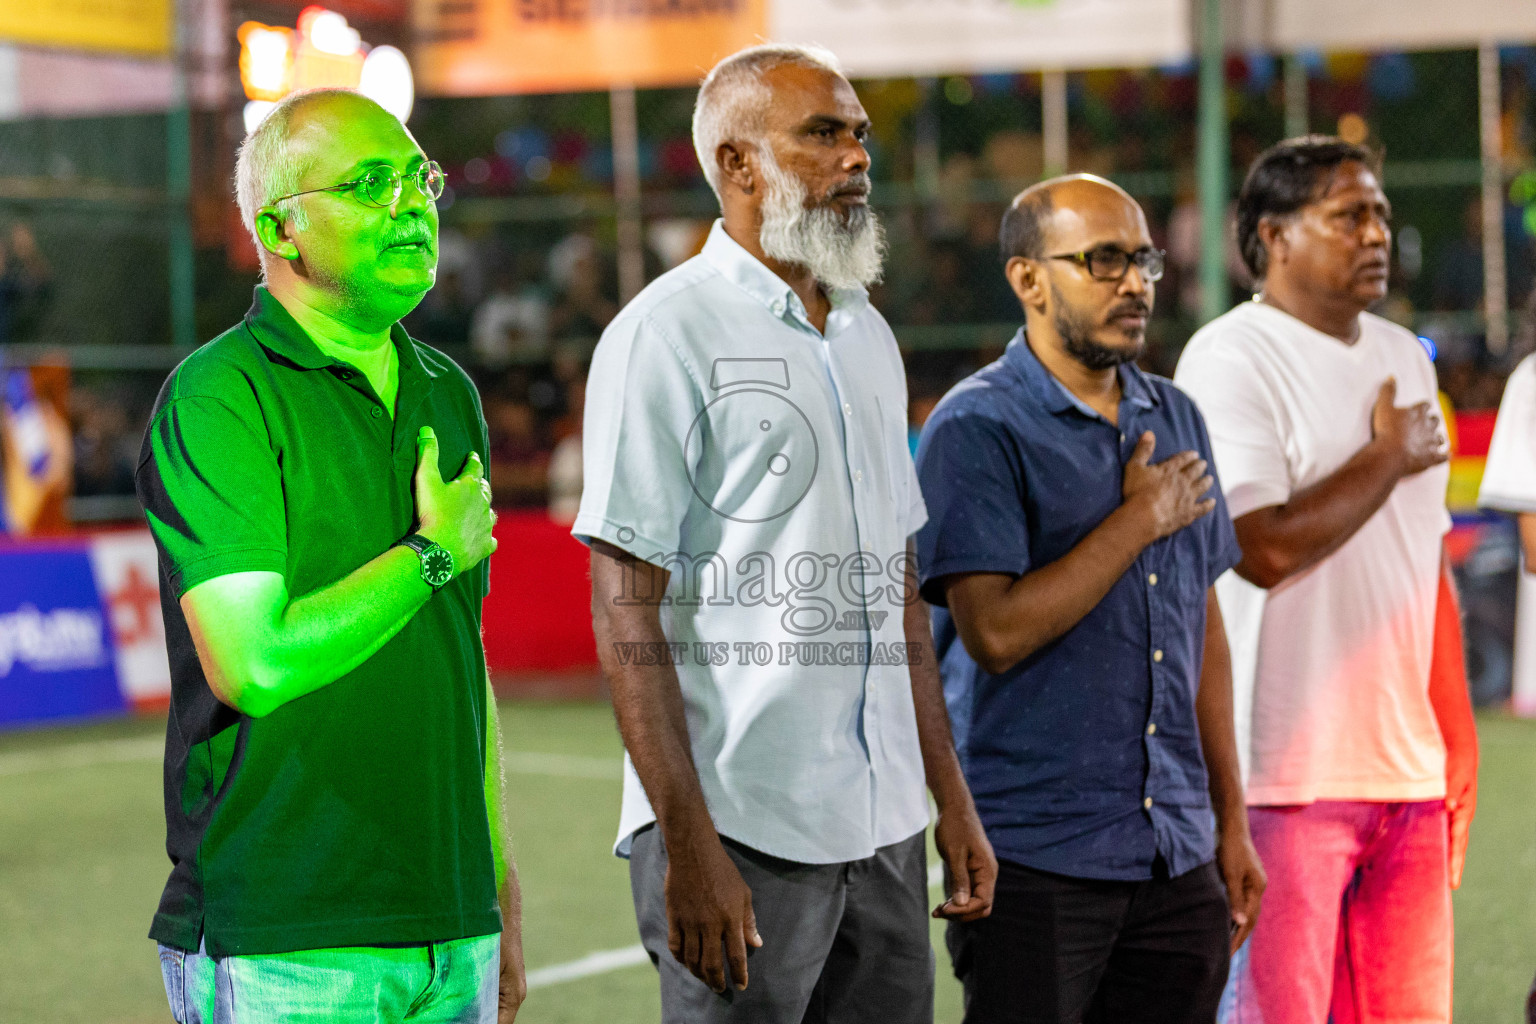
332,772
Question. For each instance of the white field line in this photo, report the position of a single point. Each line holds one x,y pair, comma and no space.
569,766
593,963
85,755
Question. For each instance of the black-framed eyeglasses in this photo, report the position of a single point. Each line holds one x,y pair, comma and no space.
382,185
1109,262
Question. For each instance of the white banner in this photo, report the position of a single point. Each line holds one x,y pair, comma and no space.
1400,24
128,578
877,38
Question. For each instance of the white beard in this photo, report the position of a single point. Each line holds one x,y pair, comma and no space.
838,253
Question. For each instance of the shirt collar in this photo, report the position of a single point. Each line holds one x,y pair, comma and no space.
752,276
275,329
1055,396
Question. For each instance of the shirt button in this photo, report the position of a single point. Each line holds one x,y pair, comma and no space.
377,412
1151,728
1147,803
1122,435
847,409
858,476
1152,579
1157,655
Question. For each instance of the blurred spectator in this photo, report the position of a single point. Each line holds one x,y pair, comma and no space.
585,302
995,301
946,297
565,475
26,283
1458,282
106,446
519,456
444,316
512,323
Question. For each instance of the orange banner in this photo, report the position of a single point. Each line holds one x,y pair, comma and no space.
491,47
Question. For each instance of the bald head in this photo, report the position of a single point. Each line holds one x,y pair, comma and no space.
1031,221
284,147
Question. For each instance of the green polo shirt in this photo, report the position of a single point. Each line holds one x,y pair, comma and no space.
354,815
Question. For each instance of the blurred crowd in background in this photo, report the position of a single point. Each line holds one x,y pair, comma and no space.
527,275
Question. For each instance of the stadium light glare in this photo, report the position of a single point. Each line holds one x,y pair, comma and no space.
323,51
386,79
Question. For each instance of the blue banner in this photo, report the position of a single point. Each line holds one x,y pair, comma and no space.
56,654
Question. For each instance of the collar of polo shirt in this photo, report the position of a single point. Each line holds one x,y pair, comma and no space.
1055,396
275,329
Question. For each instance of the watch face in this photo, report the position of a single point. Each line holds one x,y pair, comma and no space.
436,566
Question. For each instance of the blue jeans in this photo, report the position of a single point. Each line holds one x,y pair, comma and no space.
441,983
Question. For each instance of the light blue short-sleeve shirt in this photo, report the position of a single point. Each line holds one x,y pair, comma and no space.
765,466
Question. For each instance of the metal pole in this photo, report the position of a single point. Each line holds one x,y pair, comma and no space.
1495,298
1297,119
626,191
178,185
1213,159
1053,121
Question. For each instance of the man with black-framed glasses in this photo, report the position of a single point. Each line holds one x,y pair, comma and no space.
1074,533
332,768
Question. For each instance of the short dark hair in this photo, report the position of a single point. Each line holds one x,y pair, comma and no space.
1022,232
1284,178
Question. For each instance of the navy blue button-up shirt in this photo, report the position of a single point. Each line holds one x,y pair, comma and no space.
1084,758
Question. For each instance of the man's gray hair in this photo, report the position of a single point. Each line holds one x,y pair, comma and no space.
733,98
266,169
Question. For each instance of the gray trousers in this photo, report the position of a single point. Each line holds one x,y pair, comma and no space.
842,943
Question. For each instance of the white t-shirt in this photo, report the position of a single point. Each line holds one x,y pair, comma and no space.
1509,479
1331,667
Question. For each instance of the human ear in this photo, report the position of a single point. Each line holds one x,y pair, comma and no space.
272,229
1027,282
1272,238
735,166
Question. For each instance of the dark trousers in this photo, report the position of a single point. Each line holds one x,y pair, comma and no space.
1059,950
842,943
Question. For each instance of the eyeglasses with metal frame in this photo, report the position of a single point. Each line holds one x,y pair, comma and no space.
1110,262
382,185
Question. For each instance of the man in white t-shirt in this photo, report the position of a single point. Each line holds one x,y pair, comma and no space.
1361,750
1509,485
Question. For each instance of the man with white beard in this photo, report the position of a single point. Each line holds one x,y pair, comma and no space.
750,503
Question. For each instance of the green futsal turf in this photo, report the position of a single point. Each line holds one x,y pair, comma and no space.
82,862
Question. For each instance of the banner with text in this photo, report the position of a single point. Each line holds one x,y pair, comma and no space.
492,47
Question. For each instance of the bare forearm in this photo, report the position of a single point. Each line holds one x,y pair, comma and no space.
329,632
260,649
648,703
1283,540
1448,693
1218,731
647,699
941,766
1042,605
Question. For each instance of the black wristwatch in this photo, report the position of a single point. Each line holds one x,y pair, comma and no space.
436,561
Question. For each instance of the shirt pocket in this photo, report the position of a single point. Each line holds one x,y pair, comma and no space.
894,455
